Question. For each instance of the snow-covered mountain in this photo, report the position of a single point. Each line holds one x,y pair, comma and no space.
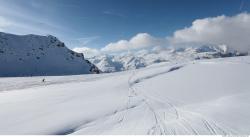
31,55
143,58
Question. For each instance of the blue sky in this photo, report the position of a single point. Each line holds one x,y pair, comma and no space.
96,23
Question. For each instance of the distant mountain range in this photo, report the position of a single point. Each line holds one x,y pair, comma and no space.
143,58
33,55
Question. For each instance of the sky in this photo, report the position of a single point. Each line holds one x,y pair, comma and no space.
97,24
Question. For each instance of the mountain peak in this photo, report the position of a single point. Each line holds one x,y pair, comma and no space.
40,55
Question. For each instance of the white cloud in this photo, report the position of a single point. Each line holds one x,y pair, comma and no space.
232,31
222,30
140,41
86,40
88,52
113,13
4,23
25,20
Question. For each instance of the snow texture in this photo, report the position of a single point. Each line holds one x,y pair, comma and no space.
143,58
188,97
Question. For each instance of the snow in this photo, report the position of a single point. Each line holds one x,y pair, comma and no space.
147,57
191,97
33,55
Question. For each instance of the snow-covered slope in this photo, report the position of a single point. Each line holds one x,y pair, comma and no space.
195,97
143,58
39,55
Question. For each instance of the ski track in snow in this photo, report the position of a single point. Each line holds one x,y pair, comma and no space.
90,123
160,126
131,94
161,122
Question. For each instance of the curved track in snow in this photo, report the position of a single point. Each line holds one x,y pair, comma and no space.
162,125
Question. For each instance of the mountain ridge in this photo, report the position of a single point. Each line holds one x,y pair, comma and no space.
34,55
143,58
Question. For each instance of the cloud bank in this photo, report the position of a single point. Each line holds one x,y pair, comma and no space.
231,31
140,41
222,30
234,32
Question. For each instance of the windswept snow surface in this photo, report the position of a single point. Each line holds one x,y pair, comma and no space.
196,97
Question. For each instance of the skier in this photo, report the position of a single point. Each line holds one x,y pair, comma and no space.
43,80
